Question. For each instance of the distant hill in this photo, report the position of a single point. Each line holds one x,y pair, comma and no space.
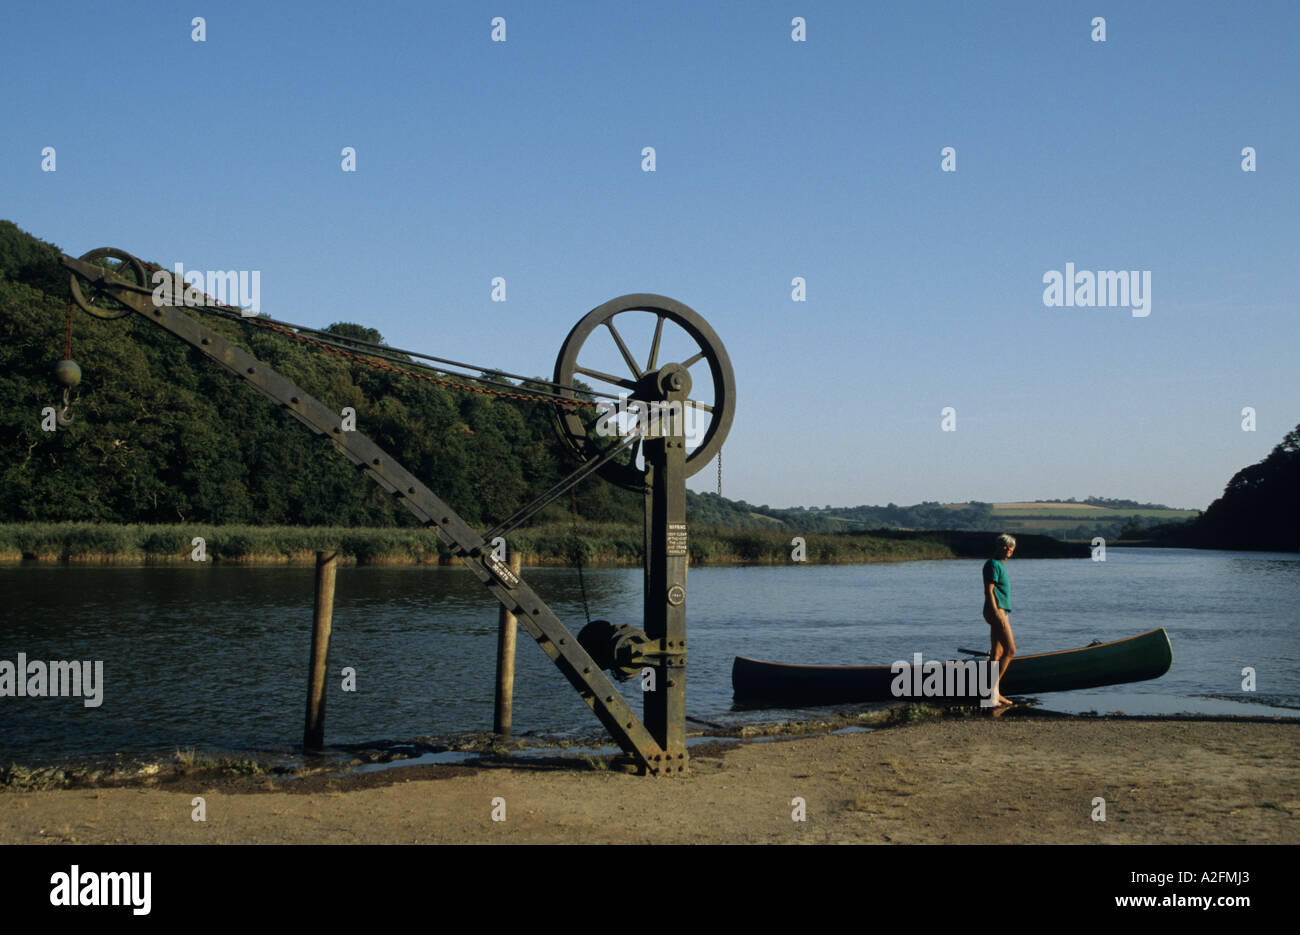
1107,503
1096,516
1063,519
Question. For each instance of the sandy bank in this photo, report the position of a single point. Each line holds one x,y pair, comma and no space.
940,781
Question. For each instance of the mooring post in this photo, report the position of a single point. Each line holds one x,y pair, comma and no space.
313,736
506,630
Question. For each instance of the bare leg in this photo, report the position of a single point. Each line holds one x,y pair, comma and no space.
1002,650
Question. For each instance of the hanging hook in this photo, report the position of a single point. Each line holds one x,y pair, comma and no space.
63,417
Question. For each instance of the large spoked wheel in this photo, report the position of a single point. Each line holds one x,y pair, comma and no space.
97,302
619,348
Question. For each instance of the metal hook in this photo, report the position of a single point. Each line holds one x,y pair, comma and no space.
63,417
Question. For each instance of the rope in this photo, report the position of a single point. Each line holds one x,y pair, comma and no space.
577,553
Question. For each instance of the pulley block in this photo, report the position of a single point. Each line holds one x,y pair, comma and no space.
95,301
620,650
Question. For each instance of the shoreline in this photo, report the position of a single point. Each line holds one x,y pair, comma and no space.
118,769
953,779
308,559
596,545
111,769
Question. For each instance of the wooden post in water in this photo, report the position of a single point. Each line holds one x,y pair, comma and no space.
506,631
313,735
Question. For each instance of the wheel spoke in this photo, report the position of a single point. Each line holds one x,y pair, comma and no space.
692,361
102,298
606,378
654,345
622,348
698,405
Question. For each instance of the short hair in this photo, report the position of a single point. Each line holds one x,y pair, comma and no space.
1008,540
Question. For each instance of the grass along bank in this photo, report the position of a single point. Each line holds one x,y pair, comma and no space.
604,544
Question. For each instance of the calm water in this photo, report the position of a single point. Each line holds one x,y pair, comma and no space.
217,656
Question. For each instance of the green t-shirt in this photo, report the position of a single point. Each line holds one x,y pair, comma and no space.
995,572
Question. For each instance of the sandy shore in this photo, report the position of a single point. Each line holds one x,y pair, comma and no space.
946,780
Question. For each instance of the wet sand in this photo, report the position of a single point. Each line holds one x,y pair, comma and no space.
946,780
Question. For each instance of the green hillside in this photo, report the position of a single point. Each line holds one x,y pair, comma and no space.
163,435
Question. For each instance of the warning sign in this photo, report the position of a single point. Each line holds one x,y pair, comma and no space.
676,538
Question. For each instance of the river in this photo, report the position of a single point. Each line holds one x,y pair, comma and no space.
215,657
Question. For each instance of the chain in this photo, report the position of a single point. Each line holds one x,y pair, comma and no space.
64,416
335,351
67,333
719,472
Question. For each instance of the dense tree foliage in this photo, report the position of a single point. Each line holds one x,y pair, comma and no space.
1260,507
738,514
1111,503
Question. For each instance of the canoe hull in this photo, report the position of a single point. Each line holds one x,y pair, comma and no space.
1135,659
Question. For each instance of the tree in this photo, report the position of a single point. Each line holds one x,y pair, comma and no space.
1260,506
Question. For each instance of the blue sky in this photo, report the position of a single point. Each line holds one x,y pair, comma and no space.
775,159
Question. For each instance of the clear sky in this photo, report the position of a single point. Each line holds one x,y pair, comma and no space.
774,159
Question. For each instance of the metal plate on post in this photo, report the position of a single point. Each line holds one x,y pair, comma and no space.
502,571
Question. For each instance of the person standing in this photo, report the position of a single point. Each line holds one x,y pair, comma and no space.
997,610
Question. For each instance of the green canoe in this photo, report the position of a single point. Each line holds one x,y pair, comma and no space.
1135,659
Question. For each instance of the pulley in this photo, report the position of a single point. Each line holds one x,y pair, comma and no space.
597,350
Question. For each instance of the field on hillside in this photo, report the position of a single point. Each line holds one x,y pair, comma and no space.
1109,519
1081,512
1079,521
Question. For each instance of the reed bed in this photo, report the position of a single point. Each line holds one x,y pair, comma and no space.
595,544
